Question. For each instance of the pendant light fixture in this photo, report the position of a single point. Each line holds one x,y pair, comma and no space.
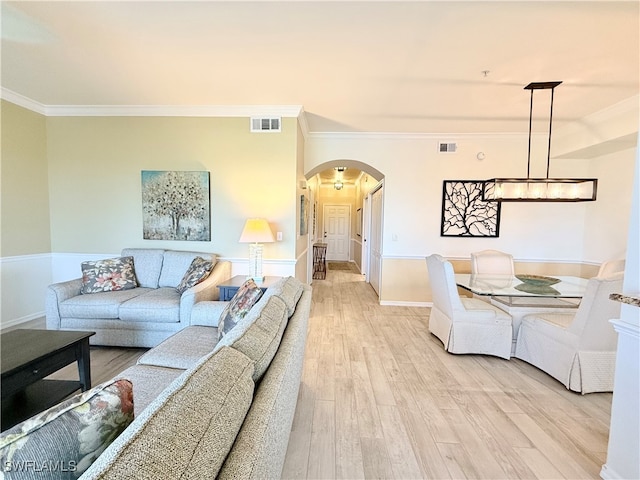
540,189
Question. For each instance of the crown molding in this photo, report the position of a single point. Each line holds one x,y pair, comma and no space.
293,111
629,107
410,136
302,121
22,101
173,111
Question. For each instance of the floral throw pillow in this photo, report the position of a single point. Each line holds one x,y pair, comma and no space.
108,275
62,442
245,298
199,270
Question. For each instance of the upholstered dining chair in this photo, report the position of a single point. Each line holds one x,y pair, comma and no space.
610,267
492,262
579,348
465,325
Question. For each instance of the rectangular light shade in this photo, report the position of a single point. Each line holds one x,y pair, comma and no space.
539,190
256,230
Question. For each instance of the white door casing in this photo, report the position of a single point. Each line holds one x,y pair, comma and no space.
375,239
366,231
337,222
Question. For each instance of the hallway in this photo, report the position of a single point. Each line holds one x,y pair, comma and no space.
381,399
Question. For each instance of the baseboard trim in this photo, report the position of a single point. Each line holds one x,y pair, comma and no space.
608,474
17,321
392,303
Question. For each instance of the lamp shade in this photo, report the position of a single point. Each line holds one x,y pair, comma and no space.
256,230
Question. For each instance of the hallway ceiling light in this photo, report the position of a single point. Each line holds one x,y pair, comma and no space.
540,189
338,185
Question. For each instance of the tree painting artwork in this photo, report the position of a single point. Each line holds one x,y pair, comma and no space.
175,205
465,214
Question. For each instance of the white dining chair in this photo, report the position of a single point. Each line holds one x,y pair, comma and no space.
492,262
610,267
465,325
579,348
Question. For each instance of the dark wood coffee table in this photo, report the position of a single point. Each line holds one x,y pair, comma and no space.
27,357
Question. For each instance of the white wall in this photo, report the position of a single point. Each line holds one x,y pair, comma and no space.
414,172
611,211
24,279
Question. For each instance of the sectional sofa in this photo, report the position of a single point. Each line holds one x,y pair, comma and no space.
204,408
136,317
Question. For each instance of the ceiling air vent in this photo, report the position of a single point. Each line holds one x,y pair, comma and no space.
266,124
447,147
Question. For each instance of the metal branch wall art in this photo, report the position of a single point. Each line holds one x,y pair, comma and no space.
464,214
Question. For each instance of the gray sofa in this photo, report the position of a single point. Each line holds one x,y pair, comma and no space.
142,316
209,409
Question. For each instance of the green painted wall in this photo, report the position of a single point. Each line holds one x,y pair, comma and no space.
24,191
95,184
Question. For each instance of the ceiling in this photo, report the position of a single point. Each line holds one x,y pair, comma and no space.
391,67
348,176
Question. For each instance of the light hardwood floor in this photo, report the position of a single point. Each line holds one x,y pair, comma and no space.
380,398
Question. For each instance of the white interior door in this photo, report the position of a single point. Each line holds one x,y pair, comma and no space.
337,219
375,239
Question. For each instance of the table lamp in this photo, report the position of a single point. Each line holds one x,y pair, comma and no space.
256,232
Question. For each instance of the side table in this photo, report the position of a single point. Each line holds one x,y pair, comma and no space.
319,261
229,288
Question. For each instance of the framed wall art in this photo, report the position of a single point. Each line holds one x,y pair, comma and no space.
304,215
465,214
176,205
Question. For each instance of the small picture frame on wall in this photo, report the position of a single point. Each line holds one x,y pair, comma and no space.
304,215
465,214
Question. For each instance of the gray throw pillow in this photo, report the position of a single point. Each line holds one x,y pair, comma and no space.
198,271
108,275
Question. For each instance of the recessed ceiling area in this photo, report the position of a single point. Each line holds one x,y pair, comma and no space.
386,67
347,177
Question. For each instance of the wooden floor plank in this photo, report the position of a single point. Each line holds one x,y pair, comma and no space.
550,448
484,461
376,459
538,464
349,463
420,432
401,455
458,461
322,464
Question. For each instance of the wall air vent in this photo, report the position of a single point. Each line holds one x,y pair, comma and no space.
447,147
266,124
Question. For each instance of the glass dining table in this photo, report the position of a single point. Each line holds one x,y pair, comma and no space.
519,299
511,291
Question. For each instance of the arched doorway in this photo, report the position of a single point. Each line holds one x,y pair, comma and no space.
339,197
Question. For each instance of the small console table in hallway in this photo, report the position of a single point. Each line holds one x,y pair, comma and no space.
319,261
